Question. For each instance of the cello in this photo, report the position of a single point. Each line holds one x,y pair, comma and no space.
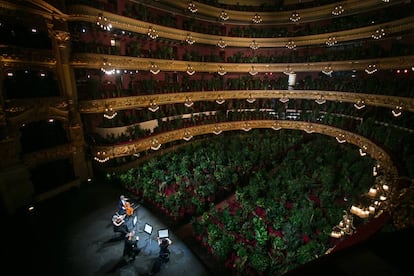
129,210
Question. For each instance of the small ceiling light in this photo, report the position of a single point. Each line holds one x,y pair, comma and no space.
224,16
290,45
320,100
189,39
109,113
220,99
250,99
371,69
309,129
221,71
397,111
103,22
221,43
340,138
154,69
217,130
188,102
276,126
257,19
379,33
101,157
152,33
360,104
331,41
155,145
107,68
192,7
246,127
294,17
190,70
327,70
187,135
338,10
153,106
254,45
252,71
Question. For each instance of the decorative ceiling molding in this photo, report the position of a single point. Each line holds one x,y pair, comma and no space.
85,13
98,106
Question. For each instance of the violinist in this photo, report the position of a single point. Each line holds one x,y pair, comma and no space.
119,224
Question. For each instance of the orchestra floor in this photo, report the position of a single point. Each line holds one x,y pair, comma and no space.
72,234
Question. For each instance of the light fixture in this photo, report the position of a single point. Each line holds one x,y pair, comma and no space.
221,43
360,104
338,10
187,135
397,111
221,71
190,70
252,71
360,212
155,145
257,19
320,100
101,157
340,138
152,33
189,39
103,22
217,130
154,69
379,33
224,16
188,102
331,41
288,71
220,99
192,7
363,150
327,70
250,99
107,68
109,113
386,1
284,99
290,45
294,17
153,106
254,45
276,126
246,127
345,226
371,69
309,129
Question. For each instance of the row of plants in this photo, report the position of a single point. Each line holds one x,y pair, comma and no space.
185,182
283,217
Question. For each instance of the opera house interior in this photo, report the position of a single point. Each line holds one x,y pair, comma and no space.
279,134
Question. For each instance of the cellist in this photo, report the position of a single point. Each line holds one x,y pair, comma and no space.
122,205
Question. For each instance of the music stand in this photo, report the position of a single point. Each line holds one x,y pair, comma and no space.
148,229
163,233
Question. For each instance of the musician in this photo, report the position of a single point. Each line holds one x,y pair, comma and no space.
121,205
163,255
131,249
119,225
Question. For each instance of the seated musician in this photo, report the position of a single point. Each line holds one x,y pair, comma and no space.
121,205
119,225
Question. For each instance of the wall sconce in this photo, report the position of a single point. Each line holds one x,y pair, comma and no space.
220,100
189,39
252,71
187,135
224,16
254,45
363,150
221,71
103,22
320,100
153,106
291,45
155,145
257,19
345,226
397,111
154,69
295,17
284,99
360,104
188,102
327,70
190,70
309,129
250,99
101,157
340,138
192,7
152,33
246,127
371,69
338,10
379,33
331,41
360,212
107,68
109,113
221,43
276,126
217,130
